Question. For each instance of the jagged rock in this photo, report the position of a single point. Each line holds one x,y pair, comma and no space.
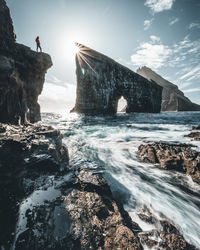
22,73
165,236
194,135
7,35
195,127
161,240
47,205
28,156
181,158
101,82
172,98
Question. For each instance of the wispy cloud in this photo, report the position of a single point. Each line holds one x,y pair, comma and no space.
185,85
147,24
194,26
151,54
159,5
155,38
195,71
191,90
173,21
154,54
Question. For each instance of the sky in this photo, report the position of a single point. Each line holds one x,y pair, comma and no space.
163,35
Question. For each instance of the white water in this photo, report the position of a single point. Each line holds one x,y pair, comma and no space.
109,145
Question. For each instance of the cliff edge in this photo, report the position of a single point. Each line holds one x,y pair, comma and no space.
22,74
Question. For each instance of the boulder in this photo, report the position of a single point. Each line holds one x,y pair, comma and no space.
178,157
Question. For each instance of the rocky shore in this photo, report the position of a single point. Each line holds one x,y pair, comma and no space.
45,202
179,157
48,204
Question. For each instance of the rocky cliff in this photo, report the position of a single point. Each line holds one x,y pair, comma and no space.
22,73
172,98
101,82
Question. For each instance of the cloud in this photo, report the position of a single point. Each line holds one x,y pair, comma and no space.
174,20
147,24
155,38
57,98
183,55
185,85
194,26
159,5
192,73
191,90
151,55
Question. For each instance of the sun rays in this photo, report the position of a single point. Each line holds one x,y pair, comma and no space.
84,55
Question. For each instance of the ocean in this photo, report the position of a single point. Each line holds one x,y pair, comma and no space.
108,145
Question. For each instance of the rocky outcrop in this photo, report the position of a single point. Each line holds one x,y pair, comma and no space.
181,157
28,157
101,82
22,73
47,204
164,236
172,98
195,134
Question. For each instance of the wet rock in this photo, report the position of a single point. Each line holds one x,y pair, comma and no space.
28,156
161,240
86,217
181,158
172,98
97,220
165,236
101,82
22,74
195,136
195,127
45,204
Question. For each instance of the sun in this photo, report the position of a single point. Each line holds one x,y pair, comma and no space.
69,47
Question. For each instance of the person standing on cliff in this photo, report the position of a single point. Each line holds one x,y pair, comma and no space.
37,40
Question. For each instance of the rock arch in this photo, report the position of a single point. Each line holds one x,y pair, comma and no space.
101,82
122,104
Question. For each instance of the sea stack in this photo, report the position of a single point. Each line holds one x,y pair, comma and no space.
101,82
22,74
172,98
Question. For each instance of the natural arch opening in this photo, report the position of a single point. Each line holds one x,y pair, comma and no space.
122,105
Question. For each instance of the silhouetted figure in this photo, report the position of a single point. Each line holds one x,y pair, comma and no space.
37,40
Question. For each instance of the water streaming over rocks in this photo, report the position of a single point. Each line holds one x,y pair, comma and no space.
109,145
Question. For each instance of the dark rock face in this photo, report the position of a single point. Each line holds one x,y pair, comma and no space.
28,156
101,82
195,134
172,98
181,158
47,205
22,73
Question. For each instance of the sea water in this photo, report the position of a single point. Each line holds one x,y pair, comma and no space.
109,144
